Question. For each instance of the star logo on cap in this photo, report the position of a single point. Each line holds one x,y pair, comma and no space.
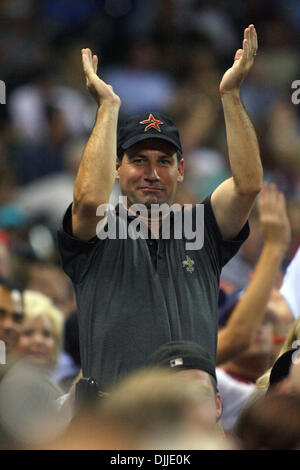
151,122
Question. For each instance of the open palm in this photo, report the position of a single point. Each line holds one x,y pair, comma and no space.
100,90
243,60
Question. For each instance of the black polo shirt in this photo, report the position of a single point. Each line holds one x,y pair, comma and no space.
135,295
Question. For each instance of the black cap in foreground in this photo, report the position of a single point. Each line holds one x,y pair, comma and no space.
281,368
147,126
183,355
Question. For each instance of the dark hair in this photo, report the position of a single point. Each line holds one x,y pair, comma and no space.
10,284
270,422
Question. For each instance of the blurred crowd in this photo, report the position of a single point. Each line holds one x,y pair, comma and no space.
167,56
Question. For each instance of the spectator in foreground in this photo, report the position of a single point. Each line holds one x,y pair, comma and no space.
165,410
11,314
270,423
190,361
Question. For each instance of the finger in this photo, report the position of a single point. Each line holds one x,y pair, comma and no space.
256,40
248,37
244,57
274,197
268,195
251,38
238,54
282,204
87,66
86,53
95,63
262,196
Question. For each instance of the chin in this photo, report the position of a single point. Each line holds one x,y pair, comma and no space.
155,200
38,361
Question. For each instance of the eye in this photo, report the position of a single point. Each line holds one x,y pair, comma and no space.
47,333
2,313
18,317
139,161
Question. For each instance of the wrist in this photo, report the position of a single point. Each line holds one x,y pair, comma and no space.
275,248
108,107
233,94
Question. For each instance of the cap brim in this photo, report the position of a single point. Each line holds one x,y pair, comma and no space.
139,138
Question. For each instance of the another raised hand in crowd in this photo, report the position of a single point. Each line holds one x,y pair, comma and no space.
246,318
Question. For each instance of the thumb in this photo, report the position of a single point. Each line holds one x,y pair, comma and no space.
238,54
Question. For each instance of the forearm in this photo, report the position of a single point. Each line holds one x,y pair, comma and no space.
242,144
96,174
246,318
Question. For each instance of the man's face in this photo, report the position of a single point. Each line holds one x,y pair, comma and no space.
214,408
262,344
149,172
11,316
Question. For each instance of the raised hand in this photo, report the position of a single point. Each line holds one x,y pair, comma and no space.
99,90
273,217
243,60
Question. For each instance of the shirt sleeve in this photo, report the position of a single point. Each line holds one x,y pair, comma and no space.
226,249
235,396
76,255
291,283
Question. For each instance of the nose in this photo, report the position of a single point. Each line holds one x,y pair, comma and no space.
152,174
37,339
8,324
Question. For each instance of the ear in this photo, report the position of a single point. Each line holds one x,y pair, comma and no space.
118,165
180,171
219,406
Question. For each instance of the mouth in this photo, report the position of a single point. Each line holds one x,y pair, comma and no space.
151,189
37,354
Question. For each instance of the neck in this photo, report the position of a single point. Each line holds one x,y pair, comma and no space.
151,216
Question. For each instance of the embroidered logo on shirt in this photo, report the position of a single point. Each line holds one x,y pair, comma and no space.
188,263
152,122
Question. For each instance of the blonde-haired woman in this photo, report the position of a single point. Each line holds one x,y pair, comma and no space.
30,401
41,335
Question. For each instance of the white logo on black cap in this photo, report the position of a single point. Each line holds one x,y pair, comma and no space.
176,362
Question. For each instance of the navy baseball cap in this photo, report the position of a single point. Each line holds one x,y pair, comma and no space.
183,355
150,125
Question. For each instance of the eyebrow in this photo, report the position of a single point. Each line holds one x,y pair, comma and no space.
141,155
4,310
